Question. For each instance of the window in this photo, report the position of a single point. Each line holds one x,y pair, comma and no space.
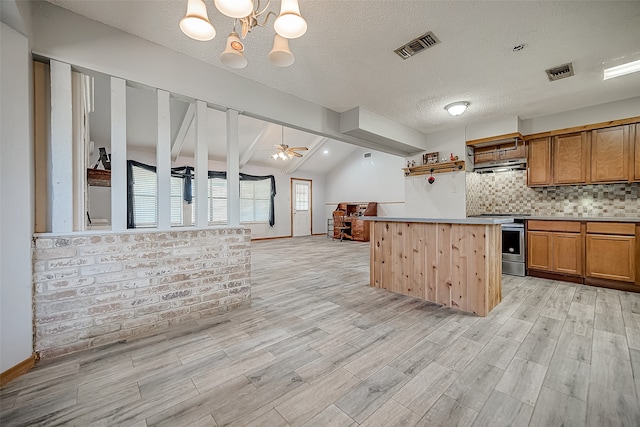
176,201
302,197
255,199
145,198
217,200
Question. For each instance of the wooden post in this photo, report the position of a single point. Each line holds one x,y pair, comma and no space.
118,154
61,150
202,165
163,161
233,170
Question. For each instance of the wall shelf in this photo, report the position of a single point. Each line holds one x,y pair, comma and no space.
434,168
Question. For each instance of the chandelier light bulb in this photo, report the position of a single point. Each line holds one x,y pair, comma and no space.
235,8
457,108
290,24
280,55
232,56
196,22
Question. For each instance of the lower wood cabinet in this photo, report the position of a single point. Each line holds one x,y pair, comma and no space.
567,253
597,253
611,257
555,252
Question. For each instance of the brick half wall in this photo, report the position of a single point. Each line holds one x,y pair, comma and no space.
95,289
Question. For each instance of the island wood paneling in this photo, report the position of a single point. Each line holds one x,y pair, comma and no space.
456,265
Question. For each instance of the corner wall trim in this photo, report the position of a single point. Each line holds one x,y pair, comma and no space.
18,370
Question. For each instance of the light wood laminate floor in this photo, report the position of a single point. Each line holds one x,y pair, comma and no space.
319,347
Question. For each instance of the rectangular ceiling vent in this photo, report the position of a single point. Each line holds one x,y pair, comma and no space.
561,72
367,155
416,45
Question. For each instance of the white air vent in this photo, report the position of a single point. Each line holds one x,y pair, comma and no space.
367,155
416,45
560,72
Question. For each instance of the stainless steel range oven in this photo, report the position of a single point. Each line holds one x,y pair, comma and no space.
513,248
513,245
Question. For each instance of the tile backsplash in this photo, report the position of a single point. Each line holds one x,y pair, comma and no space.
507,192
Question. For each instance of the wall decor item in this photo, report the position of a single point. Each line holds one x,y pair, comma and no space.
430,158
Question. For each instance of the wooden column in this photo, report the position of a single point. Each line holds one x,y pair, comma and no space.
118,154
163,161
202,165
60,164
233,170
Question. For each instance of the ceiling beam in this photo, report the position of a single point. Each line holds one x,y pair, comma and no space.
246,156
178,143
314,146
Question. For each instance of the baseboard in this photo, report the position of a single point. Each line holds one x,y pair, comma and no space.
18,370
269,238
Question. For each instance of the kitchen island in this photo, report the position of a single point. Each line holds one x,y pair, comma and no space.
453,262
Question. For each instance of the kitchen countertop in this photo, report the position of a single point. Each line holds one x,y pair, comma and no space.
471,220
582,218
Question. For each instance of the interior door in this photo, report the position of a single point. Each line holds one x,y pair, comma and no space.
301,207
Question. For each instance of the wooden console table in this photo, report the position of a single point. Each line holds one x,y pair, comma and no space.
355,212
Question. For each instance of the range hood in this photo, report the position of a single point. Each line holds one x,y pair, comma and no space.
501,165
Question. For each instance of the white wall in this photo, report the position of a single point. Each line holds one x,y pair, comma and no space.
445,198
582,116
377,178
16,198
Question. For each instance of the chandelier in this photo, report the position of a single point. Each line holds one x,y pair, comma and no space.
247,14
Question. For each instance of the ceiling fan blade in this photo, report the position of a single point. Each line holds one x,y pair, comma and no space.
296,154
299,148
281,147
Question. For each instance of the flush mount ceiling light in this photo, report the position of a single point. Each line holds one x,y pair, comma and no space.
621,70
457,108
247,13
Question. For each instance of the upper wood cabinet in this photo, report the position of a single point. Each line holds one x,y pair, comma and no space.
506,151
539,162
570,158
611,154
637,153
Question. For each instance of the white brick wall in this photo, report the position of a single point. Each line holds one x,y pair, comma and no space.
96,289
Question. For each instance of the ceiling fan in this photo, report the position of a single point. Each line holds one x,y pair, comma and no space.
285,152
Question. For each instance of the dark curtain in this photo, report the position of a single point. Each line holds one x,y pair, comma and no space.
186,173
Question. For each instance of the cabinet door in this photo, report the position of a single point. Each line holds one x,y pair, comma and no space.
484,154
637,153
567,253
539,250
539,162
610,151
511,151
570,154
611,257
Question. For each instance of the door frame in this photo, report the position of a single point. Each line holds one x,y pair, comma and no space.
310,204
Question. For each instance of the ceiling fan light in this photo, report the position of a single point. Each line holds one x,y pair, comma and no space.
280,55
234,8
196,22
290,24
232,57
457,108
274,156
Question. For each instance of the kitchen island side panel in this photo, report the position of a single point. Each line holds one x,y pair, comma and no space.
456,265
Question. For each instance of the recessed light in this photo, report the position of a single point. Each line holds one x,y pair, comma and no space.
519,47
325,152
621,70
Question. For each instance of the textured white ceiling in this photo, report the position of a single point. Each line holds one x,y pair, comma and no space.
346,57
